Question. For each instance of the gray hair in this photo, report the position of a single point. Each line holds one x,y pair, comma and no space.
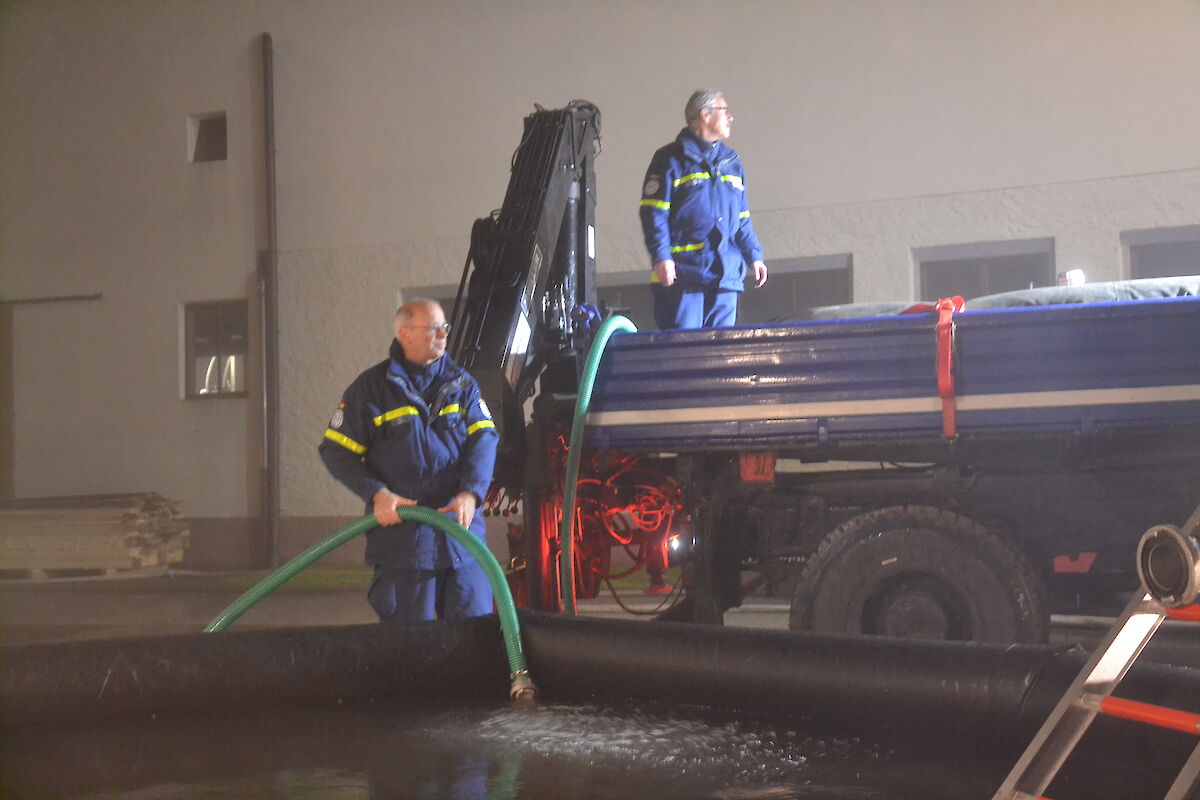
404,313
701,98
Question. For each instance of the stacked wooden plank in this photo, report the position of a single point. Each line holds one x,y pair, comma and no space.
91,534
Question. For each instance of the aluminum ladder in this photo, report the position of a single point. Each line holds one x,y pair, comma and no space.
1169,569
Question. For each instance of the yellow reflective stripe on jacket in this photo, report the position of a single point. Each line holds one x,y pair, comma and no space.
735,180
345,441
483,423
690,177
744,215
687,248
450,409
388,416
662,205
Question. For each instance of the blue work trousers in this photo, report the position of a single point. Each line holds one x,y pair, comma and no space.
702,308
416,595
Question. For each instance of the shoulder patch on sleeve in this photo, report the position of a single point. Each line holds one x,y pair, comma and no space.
483,409
338,417
652,186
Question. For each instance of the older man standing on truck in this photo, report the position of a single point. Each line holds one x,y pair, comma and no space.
696,221
413,430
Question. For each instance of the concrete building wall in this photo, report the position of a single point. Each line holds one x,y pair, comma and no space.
868,127
99,198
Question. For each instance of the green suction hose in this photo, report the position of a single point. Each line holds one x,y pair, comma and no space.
521,684
566,562
288,571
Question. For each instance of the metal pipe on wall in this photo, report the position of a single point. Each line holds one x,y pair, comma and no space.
268,281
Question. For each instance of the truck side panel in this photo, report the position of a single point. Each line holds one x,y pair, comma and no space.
1062,370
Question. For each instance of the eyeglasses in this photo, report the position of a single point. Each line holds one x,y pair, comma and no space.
719,108
444,327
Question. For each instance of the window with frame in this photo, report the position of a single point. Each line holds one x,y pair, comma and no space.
793,284
624,293
627,294
443,294
215,348
1162,252
983,268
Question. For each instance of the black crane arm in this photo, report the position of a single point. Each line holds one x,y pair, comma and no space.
531,270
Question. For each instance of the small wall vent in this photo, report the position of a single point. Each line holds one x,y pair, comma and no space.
206,136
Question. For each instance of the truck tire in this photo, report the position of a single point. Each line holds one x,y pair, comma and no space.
924,573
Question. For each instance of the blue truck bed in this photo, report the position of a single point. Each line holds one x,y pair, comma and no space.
1083,368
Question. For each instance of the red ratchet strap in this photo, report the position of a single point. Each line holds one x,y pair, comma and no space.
945,361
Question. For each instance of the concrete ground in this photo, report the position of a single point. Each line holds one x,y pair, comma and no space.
169,602
164,602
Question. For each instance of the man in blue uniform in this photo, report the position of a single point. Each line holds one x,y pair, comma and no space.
413,430
697,222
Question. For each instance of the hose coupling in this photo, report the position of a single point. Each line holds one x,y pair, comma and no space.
523,689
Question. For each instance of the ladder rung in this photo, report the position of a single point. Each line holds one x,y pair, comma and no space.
1188,613
1142,712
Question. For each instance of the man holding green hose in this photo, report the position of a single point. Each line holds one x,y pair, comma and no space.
414,430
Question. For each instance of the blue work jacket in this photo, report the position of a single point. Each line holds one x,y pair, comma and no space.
385,434
694,212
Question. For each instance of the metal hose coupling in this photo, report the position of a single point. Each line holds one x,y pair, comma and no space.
523,690
1168,563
